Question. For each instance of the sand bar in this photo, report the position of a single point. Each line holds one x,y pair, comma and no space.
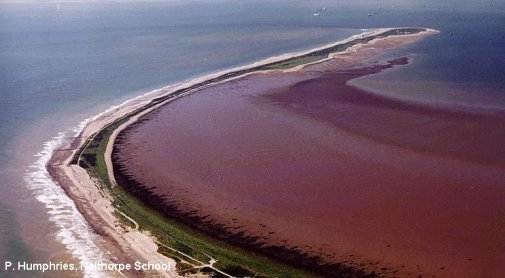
128,244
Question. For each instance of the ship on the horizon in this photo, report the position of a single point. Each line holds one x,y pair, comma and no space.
319,11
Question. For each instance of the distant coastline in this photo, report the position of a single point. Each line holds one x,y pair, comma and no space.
85,169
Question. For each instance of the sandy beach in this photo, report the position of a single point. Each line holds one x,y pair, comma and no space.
127,244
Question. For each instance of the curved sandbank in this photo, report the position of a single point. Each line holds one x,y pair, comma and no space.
95,201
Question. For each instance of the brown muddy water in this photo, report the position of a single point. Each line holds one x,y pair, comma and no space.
300,159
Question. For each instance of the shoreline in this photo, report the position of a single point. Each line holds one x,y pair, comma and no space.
96,204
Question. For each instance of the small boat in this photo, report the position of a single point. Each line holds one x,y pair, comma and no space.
319,11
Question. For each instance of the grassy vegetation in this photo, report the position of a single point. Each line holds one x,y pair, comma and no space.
323,53
291,63
92,155
175,237
197,245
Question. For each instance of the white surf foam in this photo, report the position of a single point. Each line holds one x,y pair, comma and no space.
73,231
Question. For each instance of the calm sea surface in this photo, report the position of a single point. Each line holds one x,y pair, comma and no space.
63,63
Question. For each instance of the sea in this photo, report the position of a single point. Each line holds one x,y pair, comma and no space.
64,62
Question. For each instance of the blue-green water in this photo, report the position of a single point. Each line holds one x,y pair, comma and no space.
62,63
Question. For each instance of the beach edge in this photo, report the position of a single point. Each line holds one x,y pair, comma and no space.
95,204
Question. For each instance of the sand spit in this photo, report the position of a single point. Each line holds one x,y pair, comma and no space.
126,244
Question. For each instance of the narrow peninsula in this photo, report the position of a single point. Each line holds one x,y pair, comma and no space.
239,182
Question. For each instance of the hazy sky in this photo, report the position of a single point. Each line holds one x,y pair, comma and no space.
471,5
490,5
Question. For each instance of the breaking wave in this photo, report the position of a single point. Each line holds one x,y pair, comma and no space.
73,230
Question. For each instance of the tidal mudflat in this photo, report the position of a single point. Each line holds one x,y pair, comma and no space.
302,160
